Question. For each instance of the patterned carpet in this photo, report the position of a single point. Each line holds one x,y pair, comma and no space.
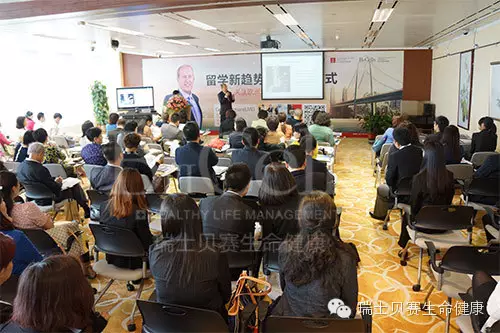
382,281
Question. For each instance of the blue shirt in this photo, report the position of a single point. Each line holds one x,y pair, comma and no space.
26,253
92,154
110,127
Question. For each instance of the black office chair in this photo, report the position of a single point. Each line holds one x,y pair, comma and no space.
270,254
119,242
275,324
239,256
96,199
403,190
166,318
42,192
482,187
45,244
450,274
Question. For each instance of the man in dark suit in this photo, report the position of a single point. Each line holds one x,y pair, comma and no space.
102,179
132,159
32,172
250,155
229,216
226,100
185,79
309,144
404,163
295,161
194,159
236,138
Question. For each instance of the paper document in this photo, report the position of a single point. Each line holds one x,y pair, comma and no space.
152,159
69,183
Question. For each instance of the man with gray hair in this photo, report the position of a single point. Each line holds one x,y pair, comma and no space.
32,173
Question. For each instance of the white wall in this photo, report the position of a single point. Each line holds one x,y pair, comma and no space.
48,75
445,75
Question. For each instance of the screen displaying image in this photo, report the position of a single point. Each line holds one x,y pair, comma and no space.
296,75
139,97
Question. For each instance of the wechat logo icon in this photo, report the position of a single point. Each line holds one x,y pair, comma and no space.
337,306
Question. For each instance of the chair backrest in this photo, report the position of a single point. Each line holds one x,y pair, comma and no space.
224,162
38,191
484,187
470,259
196,185
43,242
461,171
478,158
255,185
166,318
404,187
378,137
385,161
96,199
60,141
11,166
384,150
146,140
89,167
275,324
116,241
148,186
270,256
154,202
56,170
445,217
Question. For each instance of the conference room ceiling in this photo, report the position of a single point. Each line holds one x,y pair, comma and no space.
332,24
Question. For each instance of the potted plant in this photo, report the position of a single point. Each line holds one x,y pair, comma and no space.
375,123
100,101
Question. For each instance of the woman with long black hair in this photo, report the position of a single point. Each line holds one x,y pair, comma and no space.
486,139
433,185
315,266
453,152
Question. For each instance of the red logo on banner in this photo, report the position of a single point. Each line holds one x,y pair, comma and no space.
333,60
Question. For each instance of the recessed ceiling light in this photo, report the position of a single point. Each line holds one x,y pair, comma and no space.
173,41
125,31
286,19
211,49
382,15
200,25
237,39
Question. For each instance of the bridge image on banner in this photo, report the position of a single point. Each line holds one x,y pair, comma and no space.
365,79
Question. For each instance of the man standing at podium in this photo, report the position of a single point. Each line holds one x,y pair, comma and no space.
185,79
226,100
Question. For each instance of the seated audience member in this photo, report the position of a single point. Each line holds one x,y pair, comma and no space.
130,127
170,130
25,253
32,172
453,152
284,128
414,136
250,155
274,149
131,159
279,202
127,208
41,121
295,160
55,129
8,250
113,135
29,216
227,126
184,273
102,179
485,291
92,153
21,151
486,139
229,213
440,123
261,122
84,140
387,137
433,185
146,128
235,138
53,155
273,136
193,159
489,170
321,129
315,266
30,124
299,130
20,129
54,296
309,144
295,118
404,163
112,120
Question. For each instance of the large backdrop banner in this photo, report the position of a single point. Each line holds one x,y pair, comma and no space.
353,82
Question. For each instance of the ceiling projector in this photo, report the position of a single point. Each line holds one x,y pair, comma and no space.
269,43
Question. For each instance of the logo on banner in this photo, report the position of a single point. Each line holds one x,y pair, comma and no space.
333,60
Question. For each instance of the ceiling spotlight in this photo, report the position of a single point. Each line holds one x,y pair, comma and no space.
337,35
382,15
